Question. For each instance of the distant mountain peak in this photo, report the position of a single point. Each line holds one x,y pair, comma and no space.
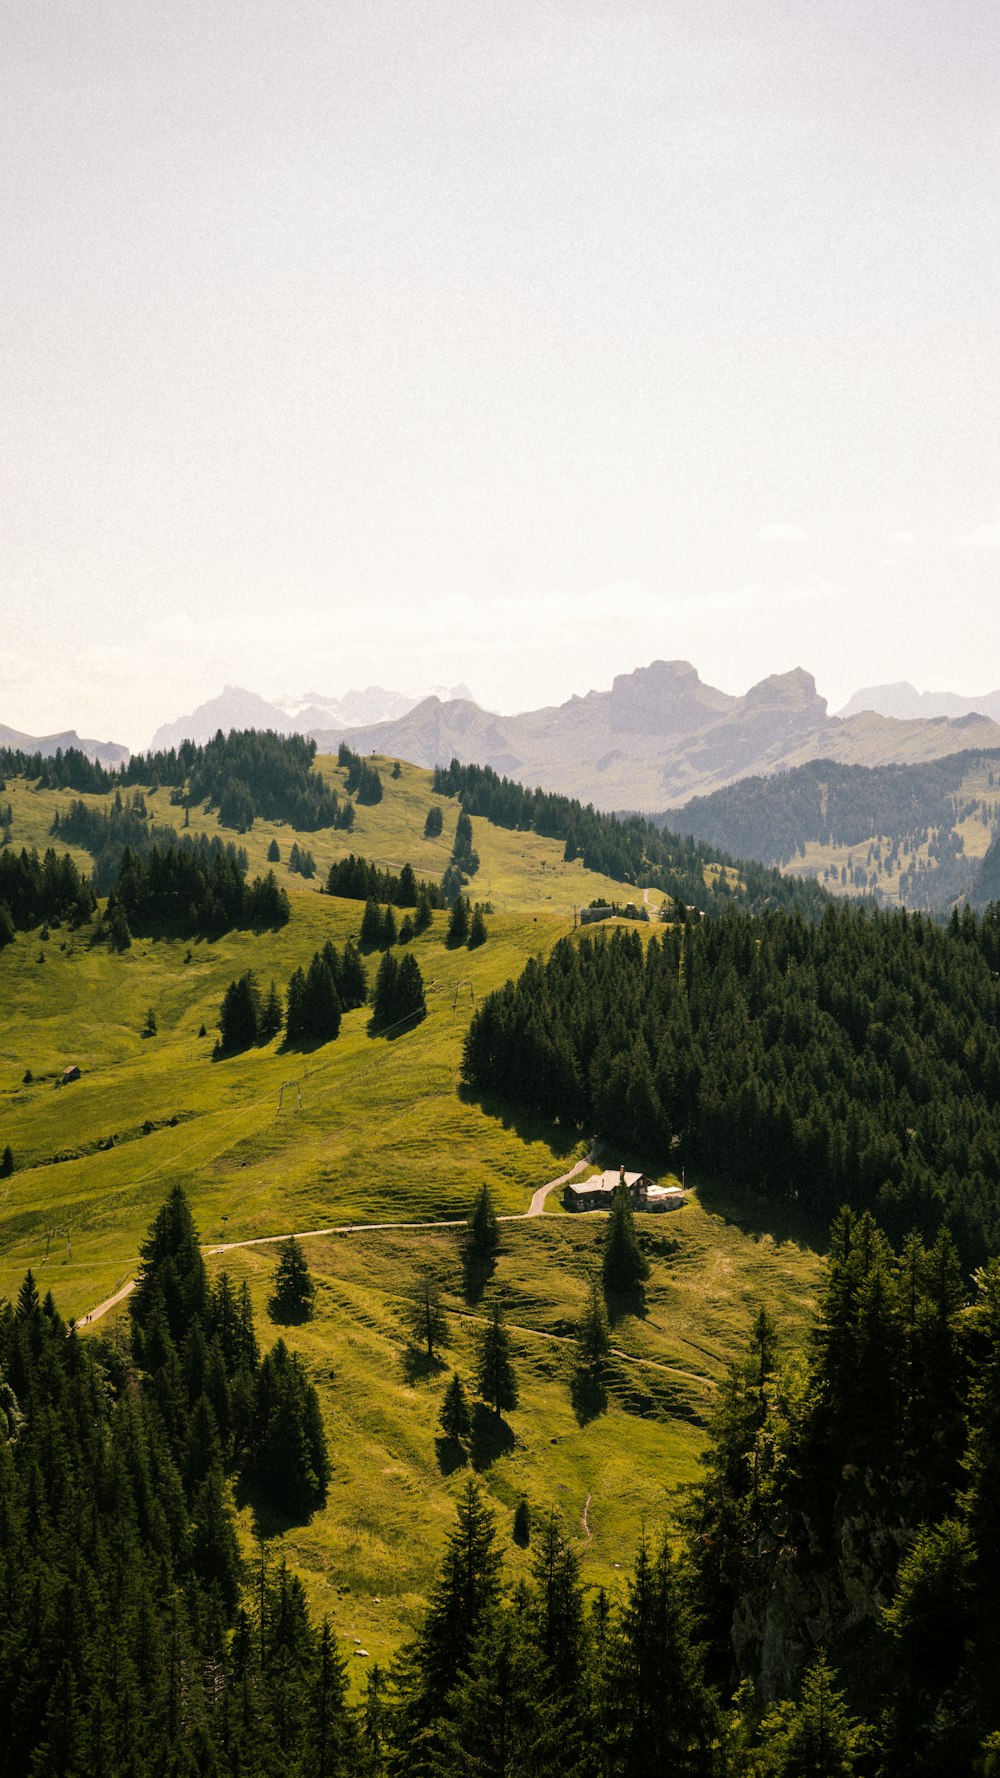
901,700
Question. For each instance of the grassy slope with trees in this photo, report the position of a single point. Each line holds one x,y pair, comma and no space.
381,1134
914,835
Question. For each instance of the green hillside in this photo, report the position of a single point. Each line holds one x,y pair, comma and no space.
908,835
366,1129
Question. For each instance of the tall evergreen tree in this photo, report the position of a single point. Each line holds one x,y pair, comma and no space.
426,1319
293,1292
455,1418
495,1377
623,1267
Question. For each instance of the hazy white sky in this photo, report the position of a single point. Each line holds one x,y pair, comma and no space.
521,344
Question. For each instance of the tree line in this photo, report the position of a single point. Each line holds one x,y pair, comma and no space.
132,1639
36,889
358,879
247,773
363,779
825,1604
902,807
193,888
316,998
853,1060
628,848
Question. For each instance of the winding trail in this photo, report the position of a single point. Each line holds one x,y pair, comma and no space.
585,1522
535,1208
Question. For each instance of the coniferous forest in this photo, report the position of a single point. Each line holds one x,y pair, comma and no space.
629,848
827,1606
855,1060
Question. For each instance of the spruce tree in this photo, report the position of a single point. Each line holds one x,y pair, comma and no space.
271,1017
410,1002
659,1714
273,853
371,926
593,1345
384,993
426,1318
239,1014
623,1267
495,1377
458,922
455,1419
468,1584
293,1291
817,1735
7,1163
477,929
352,981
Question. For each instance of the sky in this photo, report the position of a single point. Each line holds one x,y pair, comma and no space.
518,344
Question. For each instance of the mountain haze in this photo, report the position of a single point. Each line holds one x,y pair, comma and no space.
903,700
109,753
660,736
237,708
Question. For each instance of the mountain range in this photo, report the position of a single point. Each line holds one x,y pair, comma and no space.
661,736
237,708
903,700
109,753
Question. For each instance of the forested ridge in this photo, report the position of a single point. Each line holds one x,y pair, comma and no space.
825,1605
628,848
910,812
246,773
851,1060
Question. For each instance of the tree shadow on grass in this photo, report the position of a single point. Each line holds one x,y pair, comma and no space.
269,1520
588,1395
417,1366
491,1436
760,1216
398,1029
477,1271
451,1454
530,1126
622,1303
285,1317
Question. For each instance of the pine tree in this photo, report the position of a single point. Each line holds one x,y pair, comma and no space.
623,1267
271,1017
455,1418
410,1001
817,1736
274,853
7,1163
239,1014
458,922
468,1584
659,1713
477,928
370,936
426,1318
495,1377
288,1463
521,1529
293,1291
295,1029
352,981
593,1345
384,993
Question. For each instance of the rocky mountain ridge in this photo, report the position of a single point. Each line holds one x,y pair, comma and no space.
108,753
661,736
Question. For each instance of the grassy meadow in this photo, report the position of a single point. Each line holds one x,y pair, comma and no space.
370,1130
